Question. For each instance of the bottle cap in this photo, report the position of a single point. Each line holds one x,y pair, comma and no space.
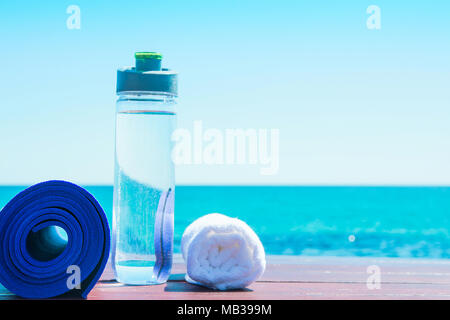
147,76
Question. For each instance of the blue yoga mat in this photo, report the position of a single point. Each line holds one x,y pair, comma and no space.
37,260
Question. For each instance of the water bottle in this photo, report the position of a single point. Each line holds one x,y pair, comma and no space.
144,181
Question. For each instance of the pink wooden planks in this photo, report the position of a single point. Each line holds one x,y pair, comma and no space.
290,277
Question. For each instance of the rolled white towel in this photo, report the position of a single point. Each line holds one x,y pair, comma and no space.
222,253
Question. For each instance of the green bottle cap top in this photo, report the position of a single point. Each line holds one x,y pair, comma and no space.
148,61
148,55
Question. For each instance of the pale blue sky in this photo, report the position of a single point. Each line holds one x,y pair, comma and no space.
353,106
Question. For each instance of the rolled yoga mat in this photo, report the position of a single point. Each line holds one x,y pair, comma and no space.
36,259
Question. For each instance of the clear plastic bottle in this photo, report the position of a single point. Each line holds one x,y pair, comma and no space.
144,184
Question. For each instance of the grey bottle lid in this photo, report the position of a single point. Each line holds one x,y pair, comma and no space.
147,76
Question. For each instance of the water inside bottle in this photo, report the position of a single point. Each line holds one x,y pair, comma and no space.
143,197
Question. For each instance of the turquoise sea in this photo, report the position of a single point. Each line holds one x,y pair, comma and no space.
334,221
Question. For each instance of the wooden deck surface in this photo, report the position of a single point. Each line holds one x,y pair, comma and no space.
288,278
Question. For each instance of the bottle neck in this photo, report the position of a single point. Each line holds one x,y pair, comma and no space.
145,101
145,96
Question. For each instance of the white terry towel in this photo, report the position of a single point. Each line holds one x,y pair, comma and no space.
222,253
